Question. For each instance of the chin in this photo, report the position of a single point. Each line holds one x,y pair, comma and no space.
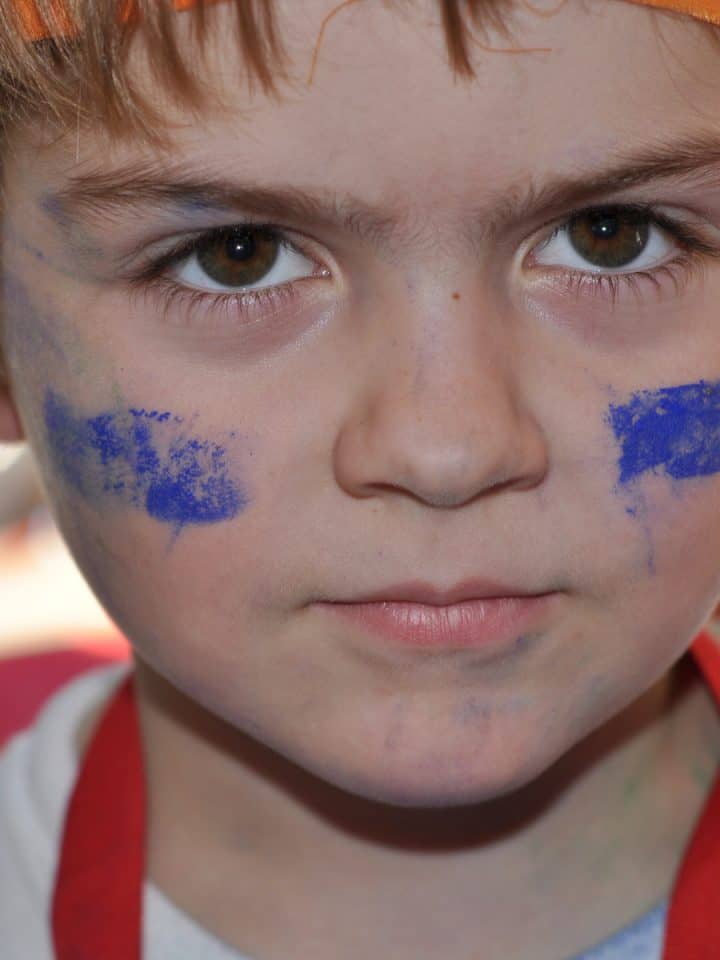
442,781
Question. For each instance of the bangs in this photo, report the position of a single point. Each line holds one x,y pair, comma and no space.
84,75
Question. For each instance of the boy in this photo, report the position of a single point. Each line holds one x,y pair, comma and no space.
379,401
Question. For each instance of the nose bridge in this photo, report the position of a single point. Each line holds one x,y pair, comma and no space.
443,415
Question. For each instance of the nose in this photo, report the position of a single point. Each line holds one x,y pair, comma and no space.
442,419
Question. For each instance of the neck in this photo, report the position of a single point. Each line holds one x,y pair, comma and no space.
605,826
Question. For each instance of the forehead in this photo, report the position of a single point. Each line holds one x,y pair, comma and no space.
375,109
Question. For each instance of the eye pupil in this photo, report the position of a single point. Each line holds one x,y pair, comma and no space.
240,245
604,226
609,238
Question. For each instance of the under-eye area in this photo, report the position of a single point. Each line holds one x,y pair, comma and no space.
145,459
673,431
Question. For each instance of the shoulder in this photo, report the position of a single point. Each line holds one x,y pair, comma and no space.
38,767
28,681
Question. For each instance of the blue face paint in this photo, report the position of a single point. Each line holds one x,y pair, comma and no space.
53,208
32,331
145,459
674,431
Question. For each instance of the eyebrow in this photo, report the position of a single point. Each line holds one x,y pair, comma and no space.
147,184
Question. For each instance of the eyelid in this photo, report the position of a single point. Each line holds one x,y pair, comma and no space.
153,263
559,247
288,266
686,236
695,249
185,305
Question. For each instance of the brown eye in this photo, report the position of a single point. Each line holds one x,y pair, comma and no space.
239,257
609,238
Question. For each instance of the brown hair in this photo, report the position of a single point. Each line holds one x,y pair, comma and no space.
86,76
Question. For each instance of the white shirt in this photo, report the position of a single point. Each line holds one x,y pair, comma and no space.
37,772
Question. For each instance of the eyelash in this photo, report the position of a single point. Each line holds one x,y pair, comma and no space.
689,264
151,279
223,307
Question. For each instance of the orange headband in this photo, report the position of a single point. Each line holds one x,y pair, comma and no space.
35,28
701,9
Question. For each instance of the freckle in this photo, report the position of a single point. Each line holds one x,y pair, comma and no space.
456,296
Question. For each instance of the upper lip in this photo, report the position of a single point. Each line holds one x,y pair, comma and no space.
420,591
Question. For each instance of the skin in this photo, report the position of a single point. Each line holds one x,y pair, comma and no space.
432,407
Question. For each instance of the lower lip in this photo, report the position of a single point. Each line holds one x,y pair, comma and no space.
472,624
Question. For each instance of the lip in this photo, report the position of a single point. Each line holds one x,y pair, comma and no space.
480,615
420,591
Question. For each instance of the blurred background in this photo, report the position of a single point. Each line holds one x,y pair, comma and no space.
44,601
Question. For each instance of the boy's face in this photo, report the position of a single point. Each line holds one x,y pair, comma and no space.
423,391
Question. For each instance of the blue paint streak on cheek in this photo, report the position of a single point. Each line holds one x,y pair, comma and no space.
144,459
674,431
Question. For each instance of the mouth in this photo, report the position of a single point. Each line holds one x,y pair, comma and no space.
472,615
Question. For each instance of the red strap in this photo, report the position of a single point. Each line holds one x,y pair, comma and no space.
693,924
706,652
97,905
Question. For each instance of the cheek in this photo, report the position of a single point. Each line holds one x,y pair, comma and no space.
130,484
